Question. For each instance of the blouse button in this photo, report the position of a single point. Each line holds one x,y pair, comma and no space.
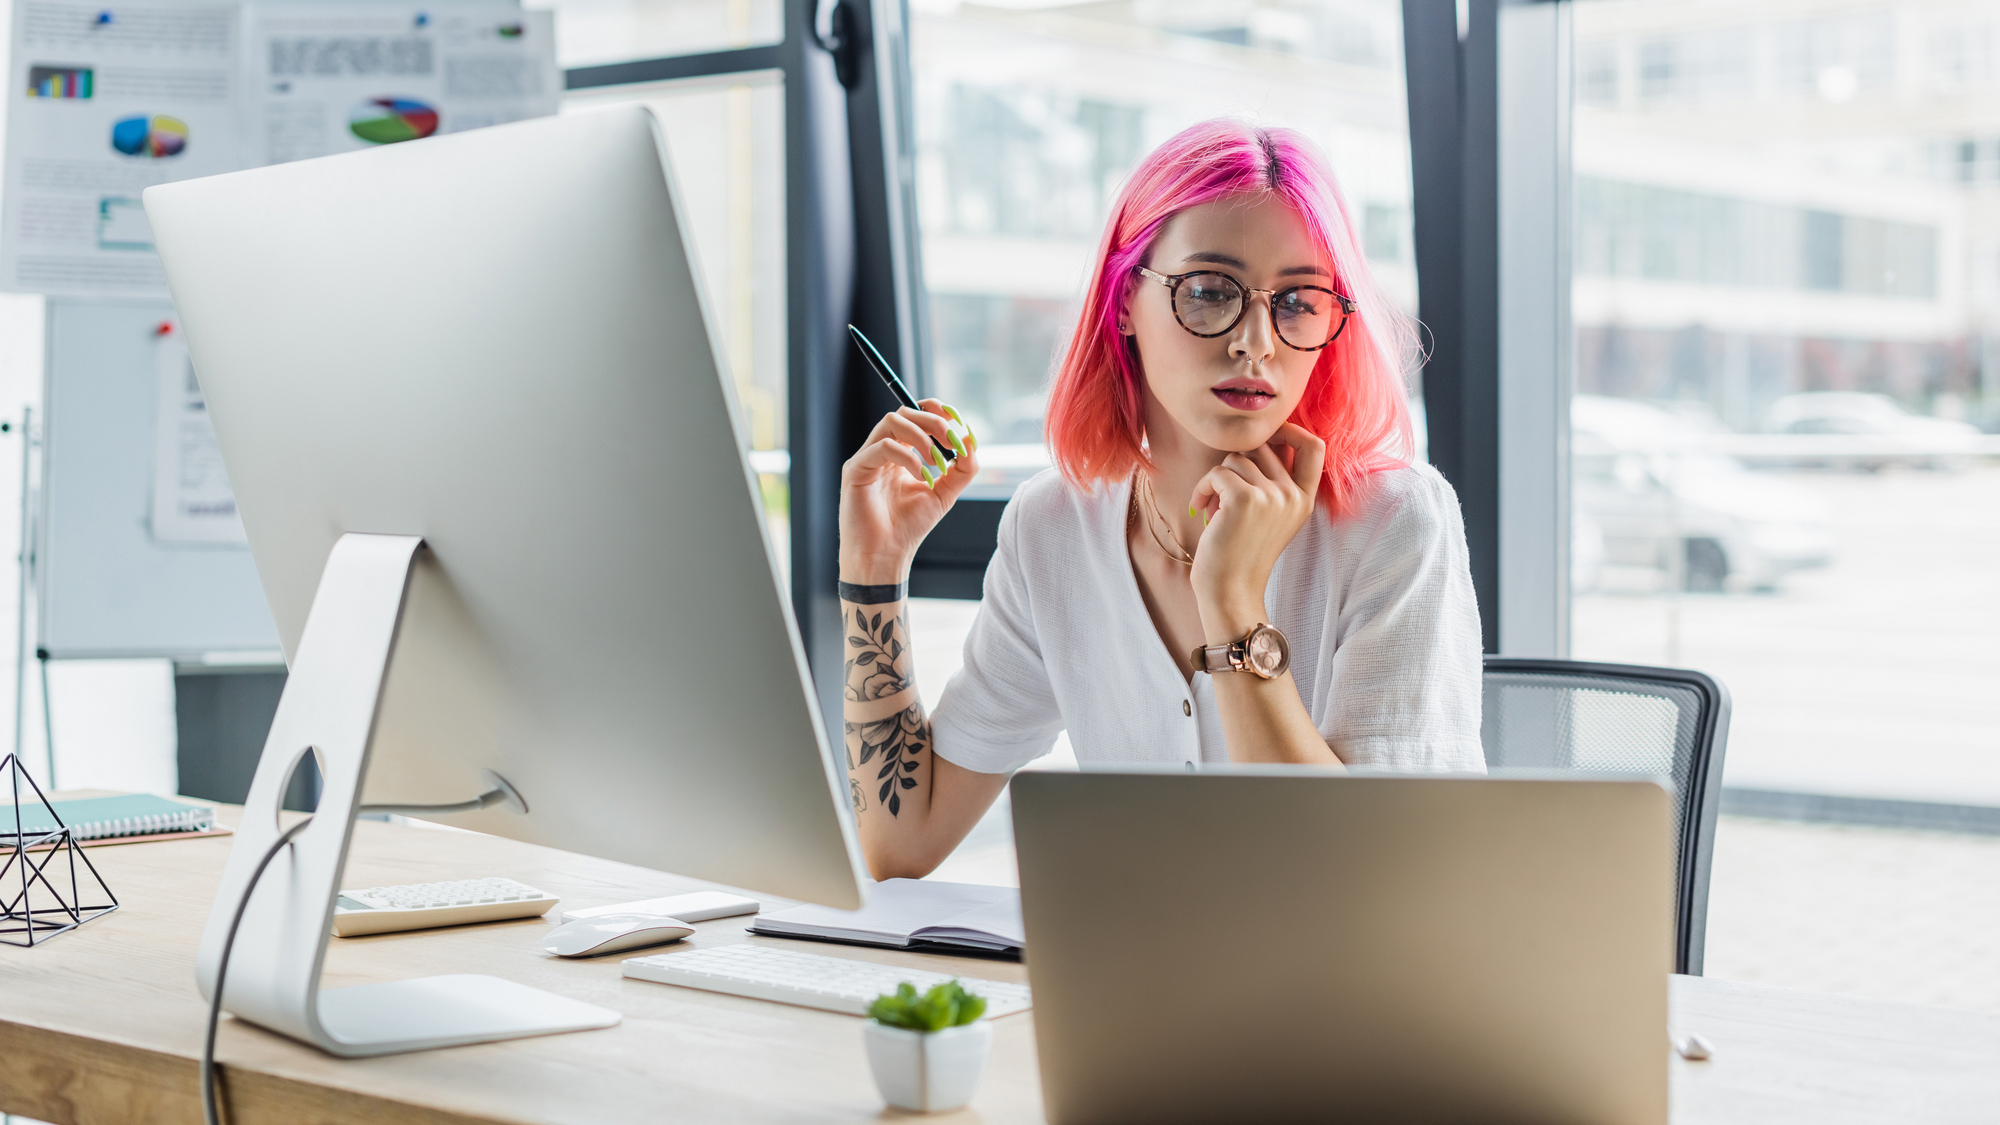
1186,710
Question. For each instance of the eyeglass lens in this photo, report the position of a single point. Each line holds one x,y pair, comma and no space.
1208,304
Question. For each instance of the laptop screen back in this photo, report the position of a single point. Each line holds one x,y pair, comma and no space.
1251,946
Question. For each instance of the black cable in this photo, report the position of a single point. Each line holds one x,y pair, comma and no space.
208,1098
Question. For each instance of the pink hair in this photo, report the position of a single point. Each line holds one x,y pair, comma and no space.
1355,398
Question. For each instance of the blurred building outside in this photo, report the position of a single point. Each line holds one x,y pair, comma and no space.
1783,198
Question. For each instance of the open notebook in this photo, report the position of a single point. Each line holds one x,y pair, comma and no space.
912,914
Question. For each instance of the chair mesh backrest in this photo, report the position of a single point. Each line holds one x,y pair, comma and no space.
1538,720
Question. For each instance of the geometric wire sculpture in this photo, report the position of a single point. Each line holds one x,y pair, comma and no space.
41,891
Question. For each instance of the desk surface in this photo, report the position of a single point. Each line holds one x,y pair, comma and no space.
104,1023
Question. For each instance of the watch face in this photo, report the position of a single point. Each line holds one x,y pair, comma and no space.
1266,654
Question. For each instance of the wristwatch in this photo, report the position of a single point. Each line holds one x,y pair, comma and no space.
1262,652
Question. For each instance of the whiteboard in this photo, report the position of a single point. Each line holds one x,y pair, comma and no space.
106,587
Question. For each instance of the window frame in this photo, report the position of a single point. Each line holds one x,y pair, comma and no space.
1492,220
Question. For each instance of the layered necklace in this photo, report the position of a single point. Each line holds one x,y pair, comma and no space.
1156,521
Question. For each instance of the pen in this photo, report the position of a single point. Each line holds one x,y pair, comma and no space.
896,387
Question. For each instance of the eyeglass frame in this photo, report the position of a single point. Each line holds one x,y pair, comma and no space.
1173,284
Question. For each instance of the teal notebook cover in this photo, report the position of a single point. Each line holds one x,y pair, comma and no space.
98,818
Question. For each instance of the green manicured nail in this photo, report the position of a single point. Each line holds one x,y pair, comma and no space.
953,415
971,441
1190,511
957,446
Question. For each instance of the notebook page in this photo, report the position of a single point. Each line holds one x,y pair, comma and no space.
896,908
995,924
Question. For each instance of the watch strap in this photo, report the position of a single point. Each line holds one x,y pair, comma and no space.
1234,656
1214,659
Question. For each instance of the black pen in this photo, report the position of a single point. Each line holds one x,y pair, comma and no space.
896,387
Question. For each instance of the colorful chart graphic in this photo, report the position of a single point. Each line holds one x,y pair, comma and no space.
60,81
157,136
383,121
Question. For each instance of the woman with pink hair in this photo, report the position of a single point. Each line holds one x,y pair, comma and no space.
1234,559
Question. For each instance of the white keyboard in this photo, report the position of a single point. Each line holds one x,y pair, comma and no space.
833,983
420,906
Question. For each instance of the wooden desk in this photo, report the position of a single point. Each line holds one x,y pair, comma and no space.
103,1025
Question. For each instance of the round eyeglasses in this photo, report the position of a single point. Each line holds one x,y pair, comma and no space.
1209,304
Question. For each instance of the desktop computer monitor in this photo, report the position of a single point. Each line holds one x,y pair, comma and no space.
490,468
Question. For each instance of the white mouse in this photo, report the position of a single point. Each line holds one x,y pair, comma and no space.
612,933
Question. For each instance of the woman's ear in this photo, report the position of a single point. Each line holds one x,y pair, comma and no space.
1125,307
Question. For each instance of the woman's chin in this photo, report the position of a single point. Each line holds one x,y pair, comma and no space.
1240,434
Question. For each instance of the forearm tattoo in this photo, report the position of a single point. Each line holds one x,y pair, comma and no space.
875,666
879,668
900,740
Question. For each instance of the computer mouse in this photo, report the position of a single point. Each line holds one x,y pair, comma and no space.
612,933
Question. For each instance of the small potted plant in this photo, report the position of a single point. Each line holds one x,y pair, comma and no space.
928,1051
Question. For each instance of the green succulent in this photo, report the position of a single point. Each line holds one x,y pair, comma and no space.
945,1005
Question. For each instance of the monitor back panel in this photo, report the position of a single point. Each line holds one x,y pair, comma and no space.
495,340
1324,948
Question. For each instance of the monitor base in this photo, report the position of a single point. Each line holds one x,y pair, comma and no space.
447,1011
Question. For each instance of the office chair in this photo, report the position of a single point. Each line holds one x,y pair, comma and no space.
1622,718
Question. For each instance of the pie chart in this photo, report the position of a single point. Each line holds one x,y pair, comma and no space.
382,121
151,135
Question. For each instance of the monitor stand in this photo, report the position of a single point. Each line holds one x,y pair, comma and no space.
329,709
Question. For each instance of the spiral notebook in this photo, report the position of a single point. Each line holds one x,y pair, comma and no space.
122,819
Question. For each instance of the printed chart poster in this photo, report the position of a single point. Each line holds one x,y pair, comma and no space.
337,79
192,501
102,104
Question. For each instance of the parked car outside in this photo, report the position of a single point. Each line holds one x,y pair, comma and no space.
1663,500
1852,430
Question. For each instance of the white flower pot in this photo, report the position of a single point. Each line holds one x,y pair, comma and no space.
928,1071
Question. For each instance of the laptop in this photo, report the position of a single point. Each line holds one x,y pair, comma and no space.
1296,945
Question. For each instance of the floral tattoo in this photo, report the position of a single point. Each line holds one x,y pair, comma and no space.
874,668
878,668
900,740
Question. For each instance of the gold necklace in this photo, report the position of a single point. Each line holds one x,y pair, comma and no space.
1185,557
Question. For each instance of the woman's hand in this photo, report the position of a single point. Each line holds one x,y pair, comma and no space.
887,503
1256,502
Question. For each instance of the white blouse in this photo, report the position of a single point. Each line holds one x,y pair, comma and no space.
1378,610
